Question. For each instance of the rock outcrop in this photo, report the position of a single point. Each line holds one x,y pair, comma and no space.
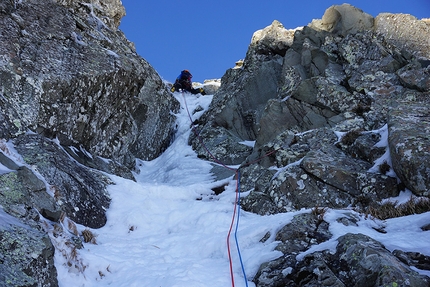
333,94
409,129
358,261
325,110
75,101
71,76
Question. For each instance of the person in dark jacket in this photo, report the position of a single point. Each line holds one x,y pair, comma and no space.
183,83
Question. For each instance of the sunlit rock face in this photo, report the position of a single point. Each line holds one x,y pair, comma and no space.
323,104
339,116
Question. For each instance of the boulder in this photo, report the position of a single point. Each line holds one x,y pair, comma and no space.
344,19
416,77
409,142
305,230
220,146
272,39
358,261
347,174
365,262
78,191
364,146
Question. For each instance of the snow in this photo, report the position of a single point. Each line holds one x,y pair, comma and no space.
6,221
4,169
169,229
383,132
248,143
78,39
8,149
112,53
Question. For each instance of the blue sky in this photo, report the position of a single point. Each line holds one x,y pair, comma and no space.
208,37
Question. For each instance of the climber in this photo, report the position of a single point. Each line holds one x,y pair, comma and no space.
183,82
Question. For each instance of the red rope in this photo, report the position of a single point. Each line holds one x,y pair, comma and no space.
237,186
229,233
235,201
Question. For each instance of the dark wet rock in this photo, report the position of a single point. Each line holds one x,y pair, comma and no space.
426,227
276,272
415,259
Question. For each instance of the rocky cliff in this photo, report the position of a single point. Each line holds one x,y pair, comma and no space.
338,111
75,100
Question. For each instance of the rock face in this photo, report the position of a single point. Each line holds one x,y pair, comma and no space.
409,137
397,30
75,77
27,255
333,94
325,107
75,99
358,261
78,191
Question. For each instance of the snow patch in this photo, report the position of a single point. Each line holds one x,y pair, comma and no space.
248,143
78,39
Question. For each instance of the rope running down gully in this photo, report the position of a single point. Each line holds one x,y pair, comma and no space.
237,198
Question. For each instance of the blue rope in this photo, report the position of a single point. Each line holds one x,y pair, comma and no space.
238,201
237,225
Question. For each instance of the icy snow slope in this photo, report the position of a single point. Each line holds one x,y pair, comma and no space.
167,229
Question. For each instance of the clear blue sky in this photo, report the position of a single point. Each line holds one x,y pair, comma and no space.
208,37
